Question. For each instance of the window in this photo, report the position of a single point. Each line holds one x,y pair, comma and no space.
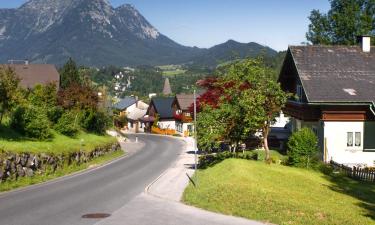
354,139
357,139
349,139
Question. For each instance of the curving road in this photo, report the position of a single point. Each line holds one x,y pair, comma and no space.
102,190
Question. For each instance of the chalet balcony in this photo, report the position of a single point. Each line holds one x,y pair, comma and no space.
183,117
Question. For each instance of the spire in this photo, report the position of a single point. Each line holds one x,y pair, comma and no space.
167,87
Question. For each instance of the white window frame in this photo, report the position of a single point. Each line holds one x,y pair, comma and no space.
354,143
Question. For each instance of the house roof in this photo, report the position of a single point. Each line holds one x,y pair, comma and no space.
33,74
185,101
335,73
125,103
163,106
136,114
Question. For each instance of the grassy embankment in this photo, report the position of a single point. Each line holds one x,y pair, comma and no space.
13,142
281,194
10,141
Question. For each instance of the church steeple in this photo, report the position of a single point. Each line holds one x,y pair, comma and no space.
167,87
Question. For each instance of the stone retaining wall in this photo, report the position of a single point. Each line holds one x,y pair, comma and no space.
14,165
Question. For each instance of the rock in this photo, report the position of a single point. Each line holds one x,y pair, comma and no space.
29,172
18,159
36,162
13,167
7,165
2,174
51,161
23,160
20,171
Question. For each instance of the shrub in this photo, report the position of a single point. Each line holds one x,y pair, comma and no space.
31,121
55,113
120,120
94,121
67,124
303,148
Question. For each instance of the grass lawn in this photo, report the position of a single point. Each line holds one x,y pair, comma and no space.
172,70
281,194
26,181
11,141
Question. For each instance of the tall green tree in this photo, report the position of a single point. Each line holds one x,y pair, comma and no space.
44,96
210,128
10,92
249,103
70,74
258,95
343,23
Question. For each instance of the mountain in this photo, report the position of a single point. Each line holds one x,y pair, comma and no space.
232,50
95,34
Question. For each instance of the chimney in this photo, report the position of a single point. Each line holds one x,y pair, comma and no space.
365,42
136,101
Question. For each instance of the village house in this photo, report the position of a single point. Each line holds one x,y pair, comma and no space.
334,93
134,110
33,74
160,109
182,106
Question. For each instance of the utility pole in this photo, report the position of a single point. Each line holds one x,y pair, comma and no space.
195,137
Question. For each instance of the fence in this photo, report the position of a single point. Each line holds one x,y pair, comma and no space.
355,172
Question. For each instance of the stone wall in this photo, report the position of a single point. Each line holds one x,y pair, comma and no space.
14,165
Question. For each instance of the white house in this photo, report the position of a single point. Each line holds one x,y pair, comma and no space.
334,89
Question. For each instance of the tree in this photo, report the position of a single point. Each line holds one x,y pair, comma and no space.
70,74
211,128
244,100
79,97
343,23
261,97
10,93
43,95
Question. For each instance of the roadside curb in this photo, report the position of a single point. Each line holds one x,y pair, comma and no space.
147,189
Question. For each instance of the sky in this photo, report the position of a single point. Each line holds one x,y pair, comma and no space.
205,23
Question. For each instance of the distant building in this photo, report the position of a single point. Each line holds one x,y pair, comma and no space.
167,90
182,106
161,107
33,74
134,110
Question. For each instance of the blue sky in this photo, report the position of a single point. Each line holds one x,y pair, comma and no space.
205,23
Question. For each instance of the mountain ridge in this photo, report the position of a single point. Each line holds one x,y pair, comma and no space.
95,33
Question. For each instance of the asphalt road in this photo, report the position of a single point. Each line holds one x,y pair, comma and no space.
102,190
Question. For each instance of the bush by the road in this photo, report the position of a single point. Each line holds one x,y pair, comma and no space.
303,148
67,124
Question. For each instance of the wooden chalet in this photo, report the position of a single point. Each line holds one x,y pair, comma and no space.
334,95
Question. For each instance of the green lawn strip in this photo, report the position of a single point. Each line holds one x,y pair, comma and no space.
173,72
10,141
281,194
40,178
